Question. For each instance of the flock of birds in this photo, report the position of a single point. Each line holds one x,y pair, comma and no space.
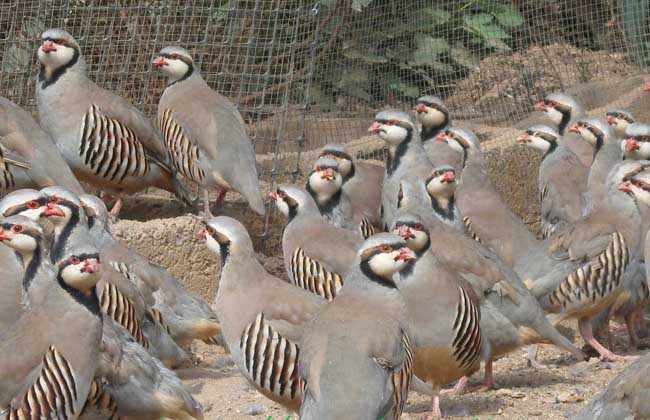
403,276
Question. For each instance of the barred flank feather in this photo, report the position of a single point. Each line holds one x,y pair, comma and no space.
310,275
271,360
52,395
183,153
111,150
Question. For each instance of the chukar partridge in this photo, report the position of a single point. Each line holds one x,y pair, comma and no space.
28,156
636,142
451,347
607,153
325,185
262,317
561,201
441,186
186,316
49,355
106,141
406,160
119,298
563,110
316,253
204,133
510,315
619,119
30,204
591,258
362,181
356,359
434,117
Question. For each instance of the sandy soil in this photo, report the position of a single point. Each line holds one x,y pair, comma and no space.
556,392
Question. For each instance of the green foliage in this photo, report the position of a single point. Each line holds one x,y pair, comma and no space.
415,47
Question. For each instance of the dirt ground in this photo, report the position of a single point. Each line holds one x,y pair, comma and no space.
557,392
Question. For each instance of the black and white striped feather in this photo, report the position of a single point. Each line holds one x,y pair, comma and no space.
119,308
467,338
183,153
310,275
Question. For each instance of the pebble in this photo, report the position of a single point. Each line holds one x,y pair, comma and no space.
253,410
510,393
568,397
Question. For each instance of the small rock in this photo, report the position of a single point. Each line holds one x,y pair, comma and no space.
568,397
510,393
535,413
224,361
253,410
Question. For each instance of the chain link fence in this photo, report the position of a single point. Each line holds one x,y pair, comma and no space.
305,73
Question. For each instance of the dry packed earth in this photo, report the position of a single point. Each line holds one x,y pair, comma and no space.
556,392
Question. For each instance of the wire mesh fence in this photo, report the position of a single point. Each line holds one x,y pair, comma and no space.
308,72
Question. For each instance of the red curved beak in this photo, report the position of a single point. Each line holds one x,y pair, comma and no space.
375,127
631,145
449,177
52,210
406,254
3,237
441,137
420,108
625,187
540,106
327,174
524,138
273,195
203,233
91,265
405,232
646,87
48,47
158,62
611,120
574,129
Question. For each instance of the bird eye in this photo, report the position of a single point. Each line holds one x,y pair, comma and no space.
640,184
174,56
17,228
391,122
436,174
645,139
60,41
210,230
282,194
386,248
74,260
33,205
54,199
418,226
552,104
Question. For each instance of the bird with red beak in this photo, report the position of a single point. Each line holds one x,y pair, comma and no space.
619,119
636,142
540,137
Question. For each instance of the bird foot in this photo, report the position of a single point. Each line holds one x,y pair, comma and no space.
484,387
458,389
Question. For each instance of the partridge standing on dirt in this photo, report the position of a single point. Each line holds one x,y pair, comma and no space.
316,253
119,298
186,316
362,181
510,315
106,141
434,117
325,185
607,153
591,258
619,119
406,160
356,360
636,142
561,201
204,133
262,316
451,347
28,156
48,356
563,110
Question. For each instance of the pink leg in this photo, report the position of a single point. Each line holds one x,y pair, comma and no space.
488,383
115,211
630,322
435,413
206,213
531,355
586,332
458,389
